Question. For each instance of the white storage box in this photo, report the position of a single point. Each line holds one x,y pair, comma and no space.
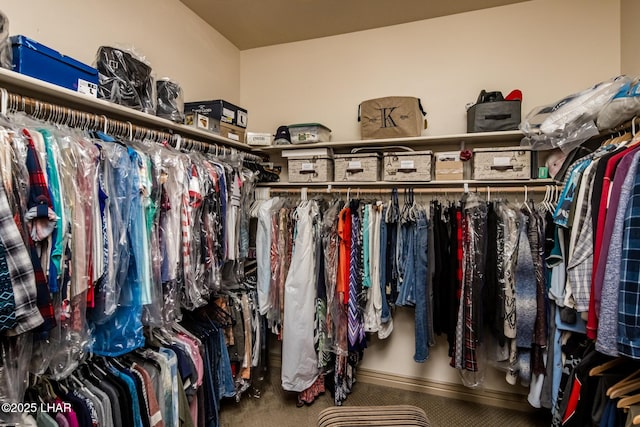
309,132
258,139
502,163
314,169
407,166
448,166
361,167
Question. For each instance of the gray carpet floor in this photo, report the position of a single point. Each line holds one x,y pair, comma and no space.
274,407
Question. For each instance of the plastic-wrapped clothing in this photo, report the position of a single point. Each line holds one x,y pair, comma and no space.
263,253
125,80
123,333
299,358
170,101
6,53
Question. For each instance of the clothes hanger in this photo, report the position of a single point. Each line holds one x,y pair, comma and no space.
600,369
627,380
626,402
624,389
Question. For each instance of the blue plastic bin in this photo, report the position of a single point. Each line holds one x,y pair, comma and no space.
41,62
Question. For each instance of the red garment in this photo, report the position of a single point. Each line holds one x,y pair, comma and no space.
574,399
344,256
596,289
38,199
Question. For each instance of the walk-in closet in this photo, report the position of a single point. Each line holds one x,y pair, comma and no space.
316,213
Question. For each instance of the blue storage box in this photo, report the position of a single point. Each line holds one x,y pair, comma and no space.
41,62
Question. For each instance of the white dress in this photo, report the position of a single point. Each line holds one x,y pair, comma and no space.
299,358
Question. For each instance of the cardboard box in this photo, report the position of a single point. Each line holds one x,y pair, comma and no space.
235,133
41,62
221,110
448,166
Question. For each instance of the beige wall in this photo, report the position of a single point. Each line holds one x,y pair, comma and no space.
630,37
546,48
174,40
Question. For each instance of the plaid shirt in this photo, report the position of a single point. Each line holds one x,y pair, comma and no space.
38,196
19,263
580,261
628,307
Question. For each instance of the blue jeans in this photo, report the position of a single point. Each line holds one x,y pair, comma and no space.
420,269
226,386
406,261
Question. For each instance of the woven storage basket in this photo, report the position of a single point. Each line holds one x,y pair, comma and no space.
364,167
407,166
316,169
502,163
394,415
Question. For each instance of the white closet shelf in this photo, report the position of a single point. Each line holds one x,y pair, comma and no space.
479,137
388,184
47,92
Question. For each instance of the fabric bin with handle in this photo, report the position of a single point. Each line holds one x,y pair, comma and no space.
407,166
391,117
502,163
310,169
361,167
494,116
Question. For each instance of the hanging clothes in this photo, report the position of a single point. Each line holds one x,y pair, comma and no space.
299,358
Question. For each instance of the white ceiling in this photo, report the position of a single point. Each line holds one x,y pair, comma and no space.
257,23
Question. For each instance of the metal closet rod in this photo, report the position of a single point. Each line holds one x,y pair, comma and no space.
47,111
441,190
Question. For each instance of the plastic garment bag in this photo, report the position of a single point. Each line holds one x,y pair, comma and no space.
6,53
70,341
567,123
175,186
331,242
15,354
123,331
115,175
299,358
263,253
470,351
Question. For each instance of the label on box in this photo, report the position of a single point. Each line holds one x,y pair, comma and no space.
242,119
355,165
87,88
228,113
307,167
501,161
233,136
449,157
407,164
202,121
